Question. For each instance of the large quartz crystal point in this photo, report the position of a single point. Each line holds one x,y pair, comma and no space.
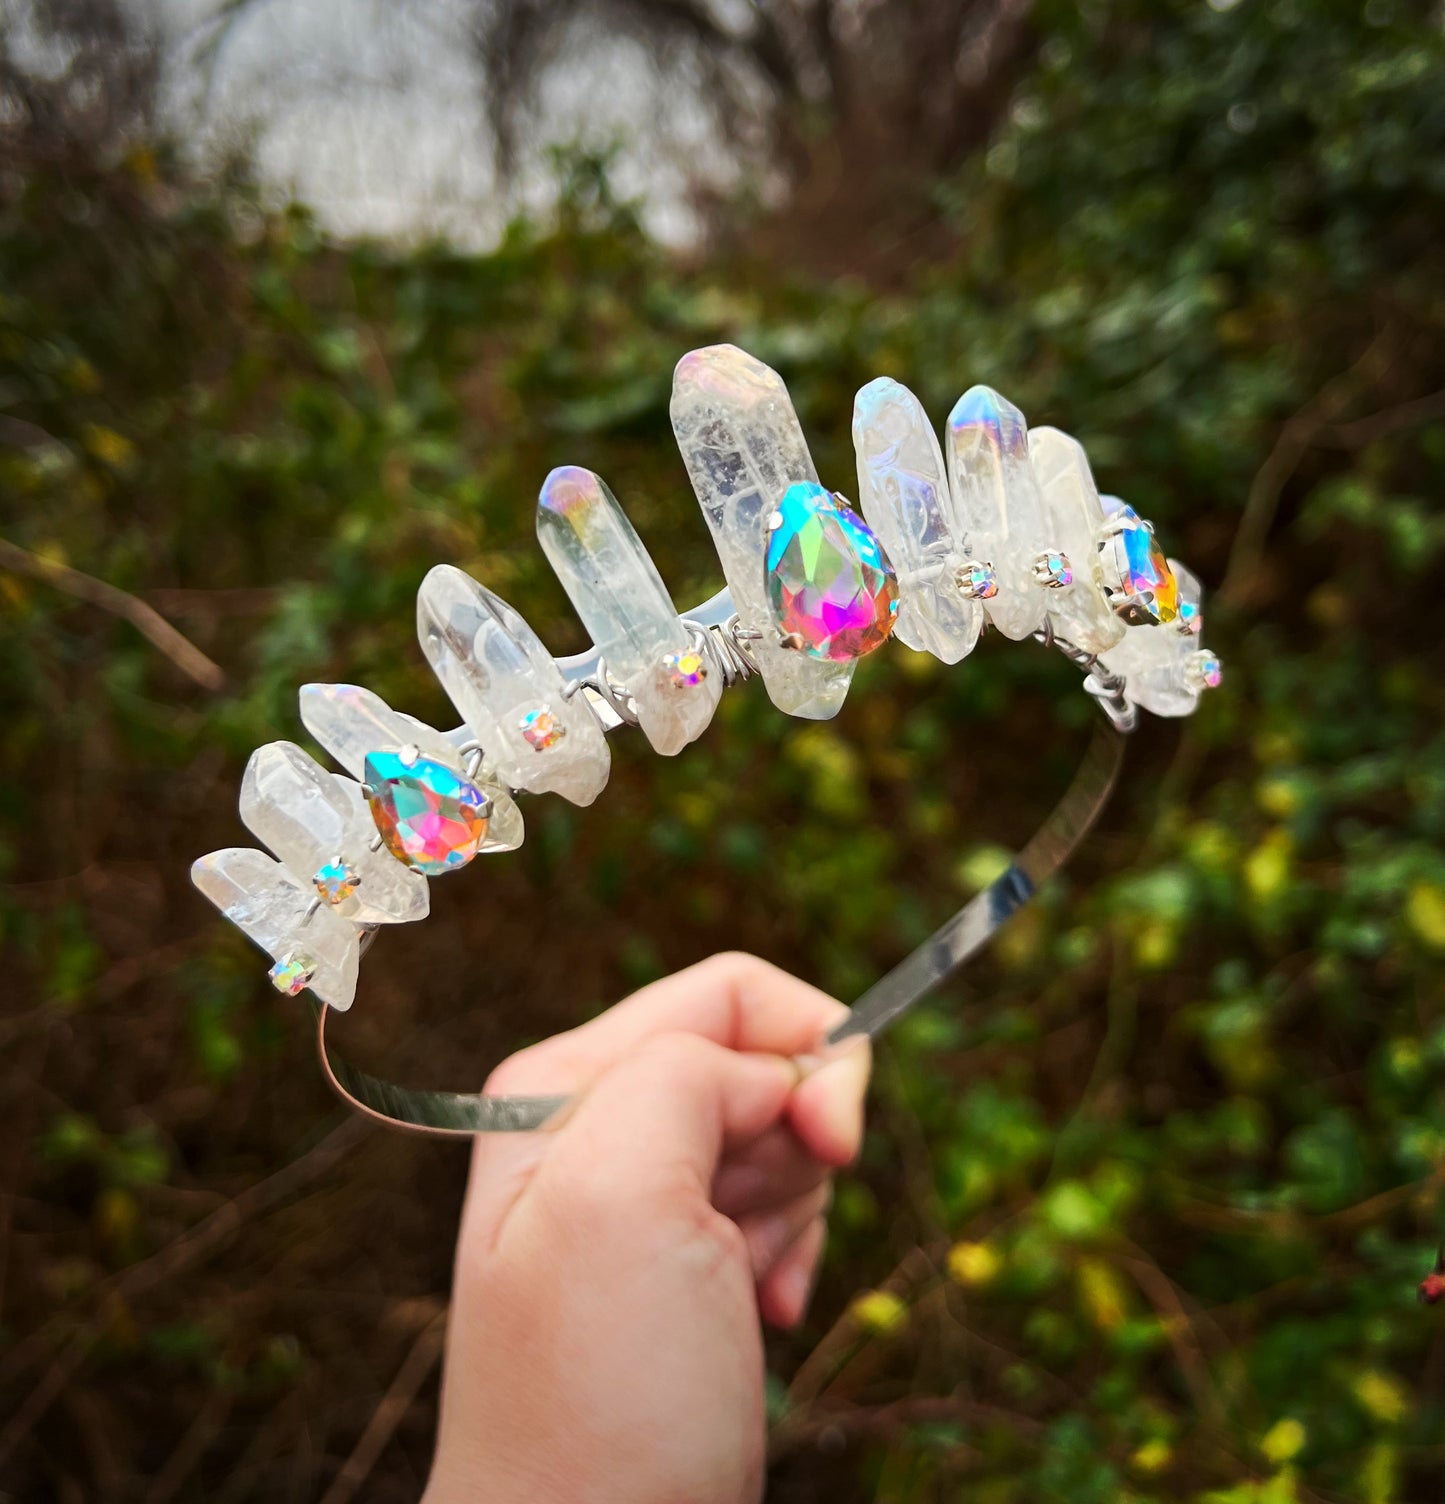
1155,660
997,505
263,900
1079,610
903,492
743,447
509,690
618,593
318,825
351,722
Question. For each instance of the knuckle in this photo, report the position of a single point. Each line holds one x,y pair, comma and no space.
739,967
676,1054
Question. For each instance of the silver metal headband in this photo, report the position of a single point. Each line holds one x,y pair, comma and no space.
1001,526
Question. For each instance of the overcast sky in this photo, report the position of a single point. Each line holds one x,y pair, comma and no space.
370,110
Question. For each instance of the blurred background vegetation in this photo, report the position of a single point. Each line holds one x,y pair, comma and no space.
1147,1193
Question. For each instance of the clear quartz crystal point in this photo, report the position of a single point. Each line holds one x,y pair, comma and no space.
743,447
617,591
351,722
903,493
269,905
505,683
1154,660
312,821
1073,514
998,506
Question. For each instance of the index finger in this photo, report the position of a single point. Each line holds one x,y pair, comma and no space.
736,1000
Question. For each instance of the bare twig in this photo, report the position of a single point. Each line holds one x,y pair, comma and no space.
188,1250
1366,430
192,1447
145,619
1295,439
416,1368
872,1420
823,1363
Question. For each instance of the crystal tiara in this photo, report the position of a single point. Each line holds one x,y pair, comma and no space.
1003,527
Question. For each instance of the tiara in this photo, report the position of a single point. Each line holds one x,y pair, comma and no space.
1001,527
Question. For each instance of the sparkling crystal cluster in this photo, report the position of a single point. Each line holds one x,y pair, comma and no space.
998,525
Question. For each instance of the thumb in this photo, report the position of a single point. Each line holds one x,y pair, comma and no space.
669,1110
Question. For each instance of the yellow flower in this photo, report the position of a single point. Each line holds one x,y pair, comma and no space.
1267,867
1103,1294
974,1263
1425,911
878,1311
1153,1457
1383,1396
1284,1440
108,446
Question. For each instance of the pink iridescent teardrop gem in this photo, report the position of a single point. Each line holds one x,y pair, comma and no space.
429,817
832,590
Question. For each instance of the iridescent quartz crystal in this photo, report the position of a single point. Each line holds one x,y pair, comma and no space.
1080,613
314,820
496,671
903,493
281,914
624,605
743,447
997,506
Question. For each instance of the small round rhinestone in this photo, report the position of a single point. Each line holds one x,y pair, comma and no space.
978,580
685,669
542,729
336,881
291,974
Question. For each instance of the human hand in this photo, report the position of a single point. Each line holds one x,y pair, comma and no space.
604,1344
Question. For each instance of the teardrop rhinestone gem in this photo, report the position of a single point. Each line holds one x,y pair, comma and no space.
1137,577
429,817
832,590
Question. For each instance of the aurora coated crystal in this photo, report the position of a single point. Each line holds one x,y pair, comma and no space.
1132,569
430,818
904,496
1159,664
743,447
281,915
351,722
1078,610
496,670
832,590
997,505
623,603
311,819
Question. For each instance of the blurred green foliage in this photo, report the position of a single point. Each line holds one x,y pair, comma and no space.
1148,1192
